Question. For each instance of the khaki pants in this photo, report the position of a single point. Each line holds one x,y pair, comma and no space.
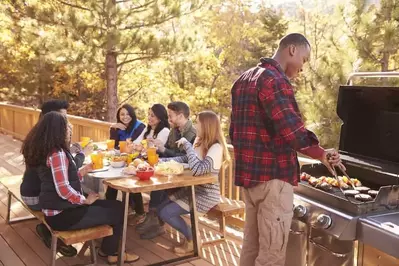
268,209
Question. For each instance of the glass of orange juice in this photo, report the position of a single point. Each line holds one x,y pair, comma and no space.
122,146
151,151
97,160
84,141
110,144
153,159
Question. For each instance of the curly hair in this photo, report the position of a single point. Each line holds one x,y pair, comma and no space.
49,134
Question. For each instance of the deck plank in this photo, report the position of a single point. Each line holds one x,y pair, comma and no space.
22,244
7,255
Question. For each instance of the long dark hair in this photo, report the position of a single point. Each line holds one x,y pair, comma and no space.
132,114
160,112
48,134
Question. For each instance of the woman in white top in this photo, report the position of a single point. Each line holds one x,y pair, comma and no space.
157,128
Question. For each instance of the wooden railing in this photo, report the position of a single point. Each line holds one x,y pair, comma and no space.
17,121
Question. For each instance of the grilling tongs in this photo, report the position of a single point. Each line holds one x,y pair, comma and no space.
336,176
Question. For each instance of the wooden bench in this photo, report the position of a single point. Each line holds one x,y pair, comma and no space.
226,208
13,183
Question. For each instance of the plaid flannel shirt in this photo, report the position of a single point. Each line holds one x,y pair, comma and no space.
266,127
58,162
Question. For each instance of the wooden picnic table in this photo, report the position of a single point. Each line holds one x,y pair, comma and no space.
133,185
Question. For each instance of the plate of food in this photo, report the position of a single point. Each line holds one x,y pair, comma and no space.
169,168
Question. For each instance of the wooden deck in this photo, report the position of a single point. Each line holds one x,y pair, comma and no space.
20,245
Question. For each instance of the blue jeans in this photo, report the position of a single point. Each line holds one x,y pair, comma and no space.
170,212
157,198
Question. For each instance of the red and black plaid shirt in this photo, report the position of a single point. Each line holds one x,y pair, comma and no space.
266,127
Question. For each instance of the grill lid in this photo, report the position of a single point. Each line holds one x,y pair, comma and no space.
370,129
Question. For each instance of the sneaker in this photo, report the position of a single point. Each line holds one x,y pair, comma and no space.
45,235
153,232
185,249
151,220
128,258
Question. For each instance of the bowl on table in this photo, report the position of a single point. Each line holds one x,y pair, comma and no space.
145,175
117,164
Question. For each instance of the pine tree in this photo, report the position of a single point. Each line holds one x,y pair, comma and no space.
373,29
113,33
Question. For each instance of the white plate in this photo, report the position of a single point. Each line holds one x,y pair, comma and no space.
111,173
106,168
186,165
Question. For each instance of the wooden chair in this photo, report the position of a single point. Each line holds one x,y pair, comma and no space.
13,183
226,208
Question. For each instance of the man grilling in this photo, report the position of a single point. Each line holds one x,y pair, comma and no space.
266,131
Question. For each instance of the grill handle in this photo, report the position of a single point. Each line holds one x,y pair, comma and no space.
371,75
324,248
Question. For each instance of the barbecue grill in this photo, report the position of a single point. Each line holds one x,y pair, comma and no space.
331,225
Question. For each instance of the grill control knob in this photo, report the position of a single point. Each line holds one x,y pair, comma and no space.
323,221
300,211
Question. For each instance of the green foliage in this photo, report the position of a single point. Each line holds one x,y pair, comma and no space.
100,54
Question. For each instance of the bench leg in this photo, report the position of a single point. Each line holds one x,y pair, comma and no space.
9,207
83,249
222,229
53,249
15,220
93,254
222,226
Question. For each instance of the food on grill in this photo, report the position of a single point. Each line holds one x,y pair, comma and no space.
323,186
344,179
305,176
372,193
343,185
362,189
351,192
313,180
332,181
356,182
363,197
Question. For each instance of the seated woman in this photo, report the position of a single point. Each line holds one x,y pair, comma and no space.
157,128
204,157
128,127
46,148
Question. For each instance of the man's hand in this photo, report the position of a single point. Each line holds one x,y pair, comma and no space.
91,198
330,159
119,126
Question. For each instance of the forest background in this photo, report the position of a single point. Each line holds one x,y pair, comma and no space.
99,54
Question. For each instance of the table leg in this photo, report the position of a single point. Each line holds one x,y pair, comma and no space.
122,247
194,223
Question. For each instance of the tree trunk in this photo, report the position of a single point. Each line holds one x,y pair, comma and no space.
112,85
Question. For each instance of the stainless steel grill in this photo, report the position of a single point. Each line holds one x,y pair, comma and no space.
331,228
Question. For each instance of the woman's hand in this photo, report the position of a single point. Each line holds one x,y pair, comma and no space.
181,141
91,198
75,148
118,126
158,144
86,169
